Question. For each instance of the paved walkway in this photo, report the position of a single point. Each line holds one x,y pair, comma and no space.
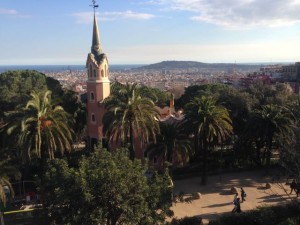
216,198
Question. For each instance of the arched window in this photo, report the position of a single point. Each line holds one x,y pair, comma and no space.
94,73
102,73
90,71
93,117
92,96
105,71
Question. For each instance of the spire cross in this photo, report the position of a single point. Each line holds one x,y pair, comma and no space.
94,5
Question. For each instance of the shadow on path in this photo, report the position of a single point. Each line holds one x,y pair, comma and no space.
218,205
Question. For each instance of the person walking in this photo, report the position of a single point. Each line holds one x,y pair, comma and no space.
293,187
243,195
237,205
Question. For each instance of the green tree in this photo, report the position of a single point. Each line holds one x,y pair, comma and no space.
160,98
290,155
171,141
6,171
15,86
268,123
209,123
107,188
43,128
198,90
130,115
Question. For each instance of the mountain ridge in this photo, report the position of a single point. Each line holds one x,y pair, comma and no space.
173,64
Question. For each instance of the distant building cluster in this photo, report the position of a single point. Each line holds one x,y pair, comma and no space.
178,79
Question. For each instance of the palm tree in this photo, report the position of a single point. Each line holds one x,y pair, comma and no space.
6,170
268,122
129,114
210,124
43,128
170,142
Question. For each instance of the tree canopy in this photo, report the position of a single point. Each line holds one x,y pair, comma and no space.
107,188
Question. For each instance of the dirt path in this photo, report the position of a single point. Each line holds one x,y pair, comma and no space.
216,198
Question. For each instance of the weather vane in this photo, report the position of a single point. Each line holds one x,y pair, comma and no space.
94,5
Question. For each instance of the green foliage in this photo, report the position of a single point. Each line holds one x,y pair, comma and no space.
42,128
195,220
199,90
6,171
269,122
291,221
107,188
160,98
275,215
16,85
171,141
210,124
129,113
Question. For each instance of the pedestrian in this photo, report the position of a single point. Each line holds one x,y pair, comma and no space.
243,195
293,187
237,205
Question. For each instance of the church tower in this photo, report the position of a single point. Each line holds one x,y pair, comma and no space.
98,86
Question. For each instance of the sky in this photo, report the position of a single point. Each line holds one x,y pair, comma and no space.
59,32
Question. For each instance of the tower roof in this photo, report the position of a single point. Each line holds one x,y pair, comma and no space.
96,45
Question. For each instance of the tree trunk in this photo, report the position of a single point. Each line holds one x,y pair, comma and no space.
131,147
269,151
204,169
1,218
196,146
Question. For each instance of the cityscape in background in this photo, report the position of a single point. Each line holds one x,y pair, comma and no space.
174,76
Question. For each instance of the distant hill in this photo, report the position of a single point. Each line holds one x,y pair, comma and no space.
169,65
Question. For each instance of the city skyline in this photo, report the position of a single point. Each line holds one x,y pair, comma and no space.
148,31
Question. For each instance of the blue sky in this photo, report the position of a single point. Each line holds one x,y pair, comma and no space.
39,32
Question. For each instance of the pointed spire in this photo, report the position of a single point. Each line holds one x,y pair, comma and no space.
96,45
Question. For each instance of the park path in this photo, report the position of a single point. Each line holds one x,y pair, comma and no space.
216,198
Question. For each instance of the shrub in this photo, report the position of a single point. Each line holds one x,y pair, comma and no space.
195,220
291,221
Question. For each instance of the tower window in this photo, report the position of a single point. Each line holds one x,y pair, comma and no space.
102,73
105,71
94,73
90,71
93,117
92,96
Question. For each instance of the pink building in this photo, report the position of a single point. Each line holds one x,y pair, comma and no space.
98,87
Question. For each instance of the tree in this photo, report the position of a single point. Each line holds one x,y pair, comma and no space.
210,124
160,98
43,128
15,86
267,123
129,114
6,170
198,90
171,141
107,188
290,155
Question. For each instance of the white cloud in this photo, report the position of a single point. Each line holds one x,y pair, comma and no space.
13,13
239,13
87,17
8,12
